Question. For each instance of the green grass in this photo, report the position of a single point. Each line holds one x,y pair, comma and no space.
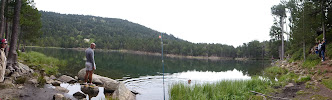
311,61
289,77
222,90
328,83
275,71
39,61
329,50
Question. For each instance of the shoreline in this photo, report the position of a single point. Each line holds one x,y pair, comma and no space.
155,54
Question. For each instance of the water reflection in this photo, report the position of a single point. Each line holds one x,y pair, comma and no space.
142,73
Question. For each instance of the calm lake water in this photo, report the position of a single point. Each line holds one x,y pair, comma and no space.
143,73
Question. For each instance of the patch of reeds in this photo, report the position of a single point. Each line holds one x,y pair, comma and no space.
222,90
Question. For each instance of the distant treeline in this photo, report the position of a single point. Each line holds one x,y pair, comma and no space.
72,31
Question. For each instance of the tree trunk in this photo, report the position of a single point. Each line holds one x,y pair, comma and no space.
323,19
282,38
303,49
2,17
13,41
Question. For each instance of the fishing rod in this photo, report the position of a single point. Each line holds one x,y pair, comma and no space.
162,61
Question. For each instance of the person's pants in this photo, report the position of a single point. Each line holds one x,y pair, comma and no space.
323,57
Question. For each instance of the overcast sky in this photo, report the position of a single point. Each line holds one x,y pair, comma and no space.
231,22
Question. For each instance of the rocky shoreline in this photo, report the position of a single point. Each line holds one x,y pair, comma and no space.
29,84
313,88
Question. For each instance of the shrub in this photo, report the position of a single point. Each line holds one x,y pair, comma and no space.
275,71
20,80
328,83
40,61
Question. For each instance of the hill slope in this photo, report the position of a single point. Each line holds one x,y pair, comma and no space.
71,31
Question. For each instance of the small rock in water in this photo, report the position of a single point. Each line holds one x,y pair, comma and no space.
56,83
90,90
79,95
61,89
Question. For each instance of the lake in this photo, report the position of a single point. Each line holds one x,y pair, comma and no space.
143,73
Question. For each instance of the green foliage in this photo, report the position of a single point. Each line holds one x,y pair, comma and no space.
20,80
275,71
289,77
30,22
301,92
311,61
328,83
329,50
303,79
39,61
41,81
319,97
298,55
224,90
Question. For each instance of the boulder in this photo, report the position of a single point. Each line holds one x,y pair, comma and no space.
52,77
97,79
119,90
289,85
67,79
33,81
56,83
24,69
90,90
122,93
58,96
79,95
110,86
61,89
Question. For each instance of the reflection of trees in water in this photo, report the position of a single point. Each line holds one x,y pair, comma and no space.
117,65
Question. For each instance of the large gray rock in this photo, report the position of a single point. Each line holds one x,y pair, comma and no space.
119,90
67,79
122,93
108,83
24,69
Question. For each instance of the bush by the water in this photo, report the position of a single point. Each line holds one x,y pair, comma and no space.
222,90
39,61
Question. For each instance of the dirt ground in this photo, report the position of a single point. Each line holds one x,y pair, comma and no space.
27,92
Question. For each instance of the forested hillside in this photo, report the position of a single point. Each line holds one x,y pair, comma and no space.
71,31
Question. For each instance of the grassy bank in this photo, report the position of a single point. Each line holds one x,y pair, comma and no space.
237,89
225,90
39,61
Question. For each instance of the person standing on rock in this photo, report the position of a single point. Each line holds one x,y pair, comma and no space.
90,64
3,59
